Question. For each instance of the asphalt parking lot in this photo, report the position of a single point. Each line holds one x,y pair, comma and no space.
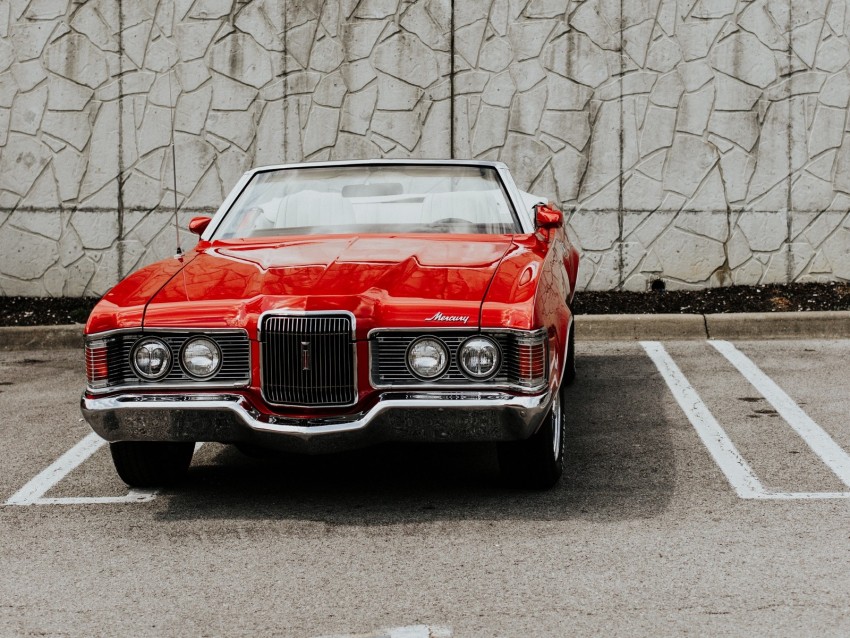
708,492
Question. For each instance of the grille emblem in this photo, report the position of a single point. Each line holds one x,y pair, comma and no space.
306,356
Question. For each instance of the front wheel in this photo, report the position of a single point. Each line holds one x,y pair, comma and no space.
538,462
151,463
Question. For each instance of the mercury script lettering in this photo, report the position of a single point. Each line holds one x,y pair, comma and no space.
439,316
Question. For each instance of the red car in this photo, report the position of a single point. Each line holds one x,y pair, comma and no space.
334,305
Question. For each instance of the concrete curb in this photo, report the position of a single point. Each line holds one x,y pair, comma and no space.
661,327
779,325
630,327
741,325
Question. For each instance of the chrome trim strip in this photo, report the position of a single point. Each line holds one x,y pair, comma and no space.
146,329
285,312
157,385
472,385
534,333
528,408
425,330
379,162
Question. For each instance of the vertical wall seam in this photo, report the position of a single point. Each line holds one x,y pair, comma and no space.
285,110
789,261
620,203
283,23
452,82
120,243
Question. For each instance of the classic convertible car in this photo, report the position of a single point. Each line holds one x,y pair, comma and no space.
333,305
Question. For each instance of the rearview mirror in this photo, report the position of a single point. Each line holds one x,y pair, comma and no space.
546,217
199,224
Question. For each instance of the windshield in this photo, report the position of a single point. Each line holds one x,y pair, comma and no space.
370,199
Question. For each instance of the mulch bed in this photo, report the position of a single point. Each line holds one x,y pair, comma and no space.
44,311
35,311
768,298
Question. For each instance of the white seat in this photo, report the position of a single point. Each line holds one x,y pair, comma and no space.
310,208
476,207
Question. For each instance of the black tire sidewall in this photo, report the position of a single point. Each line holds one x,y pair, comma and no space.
146,464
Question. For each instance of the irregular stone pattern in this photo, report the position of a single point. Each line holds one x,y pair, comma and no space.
705,143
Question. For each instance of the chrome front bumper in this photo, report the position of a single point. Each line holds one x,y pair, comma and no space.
230,418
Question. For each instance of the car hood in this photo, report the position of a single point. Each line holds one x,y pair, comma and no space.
382,280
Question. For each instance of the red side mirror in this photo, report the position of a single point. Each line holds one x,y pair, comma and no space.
199,224
546,217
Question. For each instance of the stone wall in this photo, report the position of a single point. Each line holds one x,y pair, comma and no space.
700,141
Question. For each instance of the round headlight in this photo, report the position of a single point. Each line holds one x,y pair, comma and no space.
479,357
151,359
427,358
201,357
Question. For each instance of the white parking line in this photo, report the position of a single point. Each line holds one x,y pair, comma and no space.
133,496
814,435
804,496
33,492
412,631
738,472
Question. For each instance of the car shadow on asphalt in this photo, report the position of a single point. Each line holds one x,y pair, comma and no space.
619,464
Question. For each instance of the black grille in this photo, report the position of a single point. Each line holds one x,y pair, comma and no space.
308,360
235,358
389,360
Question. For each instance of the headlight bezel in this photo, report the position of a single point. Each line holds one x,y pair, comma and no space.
447,358
134,366
216,348
497,366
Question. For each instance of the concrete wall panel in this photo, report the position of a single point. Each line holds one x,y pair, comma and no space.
705,143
